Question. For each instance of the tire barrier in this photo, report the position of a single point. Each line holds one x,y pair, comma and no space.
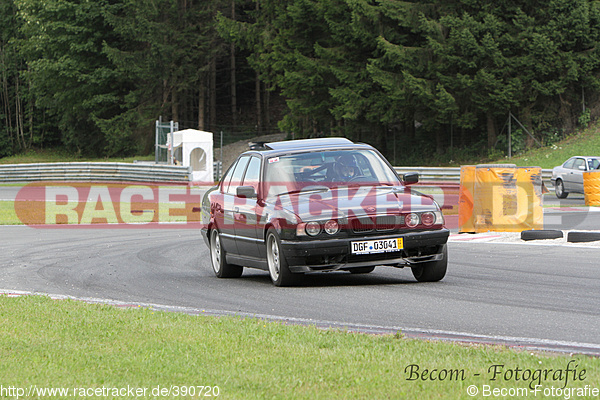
541,234
583,237
501,198
591,188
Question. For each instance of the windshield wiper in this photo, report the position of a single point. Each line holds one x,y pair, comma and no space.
305,191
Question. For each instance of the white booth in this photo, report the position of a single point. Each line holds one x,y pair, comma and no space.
194,148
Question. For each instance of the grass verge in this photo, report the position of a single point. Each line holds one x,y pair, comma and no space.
69,344
8,216
586,143
58,155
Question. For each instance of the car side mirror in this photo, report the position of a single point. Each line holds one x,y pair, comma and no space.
582,167
410,178
246,192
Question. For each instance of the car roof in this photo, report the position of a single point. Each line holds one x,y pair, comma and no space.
287,146
308,143
584,157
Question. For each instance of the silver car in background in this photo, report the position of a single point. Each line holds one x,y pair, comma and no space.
568,178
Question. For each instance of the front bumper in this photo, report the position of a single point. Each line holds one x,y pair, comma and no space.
335,254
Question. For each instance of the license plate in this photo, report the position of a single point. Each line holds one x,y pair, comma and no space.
377,246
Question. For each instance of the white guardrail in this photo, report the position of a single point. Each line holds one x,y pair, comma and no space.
94,171
143,172
452,174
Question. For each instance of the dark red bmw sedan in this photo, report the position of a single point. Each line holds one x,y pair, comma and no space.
319,205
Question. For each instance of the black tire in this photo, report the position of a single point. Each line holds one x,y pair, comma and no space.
218,259
361,270
583,237
432,271
278,267
541,234
559,189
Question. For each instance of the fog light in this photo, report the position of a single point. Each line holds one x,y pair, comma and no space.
313,228
332,227
412,220
428,218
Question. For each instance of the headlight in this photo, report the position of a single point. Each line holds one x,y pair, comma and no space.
332,227
428,218
412,220
313,228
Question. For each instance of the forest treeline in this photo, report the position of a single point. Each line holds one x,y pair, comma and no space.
418,79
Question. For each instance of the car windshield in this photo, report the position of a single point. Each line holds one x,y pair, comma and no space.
321,170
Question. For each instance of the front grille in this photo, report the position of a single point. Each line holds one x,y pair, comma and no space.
362,225
386,223
380,223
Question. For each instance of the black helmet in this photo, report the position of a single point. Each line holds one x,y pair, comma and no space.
345,166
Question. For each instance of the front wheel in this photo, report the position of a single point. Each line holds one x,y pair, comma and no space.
278,266
432,271
559,189
217,257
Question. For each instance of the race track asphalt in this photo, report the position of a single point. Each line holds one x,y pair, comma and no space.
543,293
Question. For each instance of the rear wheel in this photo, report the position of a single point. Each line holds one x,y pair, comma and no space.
278,266
559,189
432,271
218,259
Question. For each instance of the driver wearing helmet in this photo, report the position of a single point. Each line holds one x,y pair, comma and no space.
345,167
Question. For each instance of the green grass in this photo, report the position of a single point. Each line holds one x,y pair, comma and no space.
54,155
586,143
64,343
8,216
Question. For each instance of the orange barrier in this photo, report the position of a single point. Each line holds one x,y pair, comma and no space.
591,188
502,198
465,198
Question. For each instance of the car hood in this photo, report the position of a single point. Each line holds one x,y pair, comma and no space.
311,205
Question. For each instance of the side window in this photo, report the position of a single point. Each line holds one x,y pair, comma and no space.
593,163
579,162
227,178
252,177
569,163
365,166
238,173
